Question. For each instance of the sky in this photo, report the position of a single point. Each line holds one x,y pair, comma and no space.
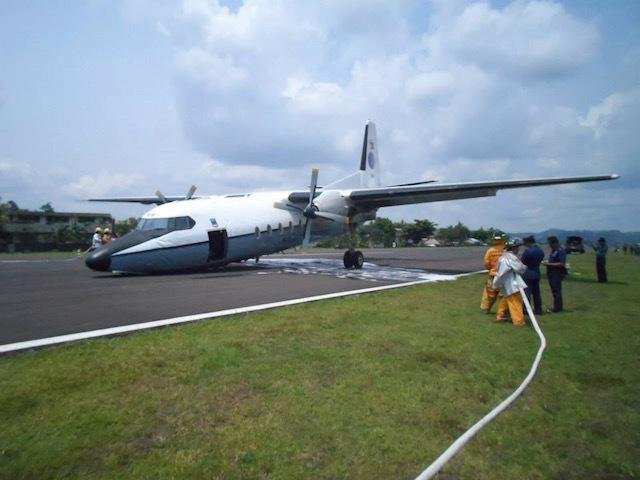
124,97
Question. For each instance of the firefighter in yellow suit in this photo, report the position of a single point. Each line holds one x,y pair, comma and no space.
489,295
509,282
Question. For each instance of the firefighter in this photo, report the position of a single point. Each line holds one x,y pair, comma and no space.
508,281
106,236
96,239
489,295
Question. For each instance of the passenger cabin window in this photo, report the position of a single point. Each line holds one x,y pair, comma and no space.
165,224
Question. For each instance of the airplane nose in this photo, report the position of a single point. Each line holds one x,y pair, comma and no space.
99,260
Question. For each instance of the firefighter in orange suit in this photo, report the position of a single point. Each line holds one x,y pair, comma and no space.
509,281
489,295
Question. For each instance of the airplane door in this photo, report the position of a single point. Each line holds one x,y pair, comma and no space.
218,244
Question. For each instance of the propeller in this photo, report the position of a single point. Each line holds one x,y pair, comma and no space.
190,193
161,197
311,211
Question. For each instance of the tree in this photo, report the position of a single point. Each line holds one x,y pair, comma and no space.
484,234
46,208
380,232
5,208
123,227
417,230
454,233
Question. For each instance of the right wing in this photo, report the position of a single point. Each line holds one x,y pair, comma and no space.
371,198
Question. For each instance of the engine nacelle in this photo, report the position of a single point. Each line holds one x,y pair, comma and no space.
332,202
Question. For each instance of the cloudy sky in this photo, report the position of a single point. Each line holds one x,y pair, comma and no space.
108,97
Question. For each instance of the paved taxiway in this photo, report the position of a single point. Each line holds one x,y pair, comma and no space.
57,297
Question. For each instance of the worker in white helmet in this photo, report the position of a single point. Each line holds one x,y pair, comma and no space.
508,281
96,240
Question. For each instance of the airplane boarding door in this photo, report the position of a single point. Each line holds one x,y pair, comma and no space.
218,244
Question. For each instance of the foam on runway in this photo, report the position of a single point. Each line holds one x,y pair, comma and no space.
335,268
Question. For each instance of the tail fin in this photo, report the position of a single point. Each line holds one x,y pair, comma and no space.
370,159
369,174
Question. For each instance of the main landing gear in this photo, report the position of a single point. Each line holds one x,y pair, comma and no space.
353,259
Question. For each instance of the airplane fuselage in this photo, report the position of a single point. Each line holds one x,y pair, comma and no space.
208,232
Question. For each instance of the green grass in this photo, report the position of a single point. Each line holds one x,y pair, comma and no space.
37,255
364,387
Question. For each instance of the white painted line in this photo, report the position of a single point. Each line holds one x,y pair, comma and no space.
105,332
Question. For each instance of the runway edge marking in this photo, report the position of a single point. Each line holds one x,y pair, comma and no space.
106,332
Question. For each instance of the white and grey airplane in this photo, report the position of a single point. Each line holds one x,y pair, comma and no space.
191,233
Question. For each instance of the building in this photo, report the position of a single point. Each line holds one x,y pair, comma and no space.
26,230
430,242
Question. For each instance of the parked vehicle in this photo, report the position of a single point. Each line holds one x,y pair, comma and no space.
574,244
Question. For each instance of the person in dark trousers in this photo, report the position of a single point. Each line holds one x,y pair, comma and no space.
601,259
532,257
556,271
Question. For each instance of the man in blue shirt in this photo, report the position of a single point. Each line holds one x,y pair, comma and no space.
556,271
532,257
601,259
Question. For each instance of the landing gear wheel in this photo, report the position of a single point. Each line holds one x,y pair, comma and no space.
353,259
358,259
347,259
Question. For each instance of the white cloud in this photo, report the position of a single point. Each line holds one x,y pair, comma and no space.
273,86
617,106
460,91
531,39
101,184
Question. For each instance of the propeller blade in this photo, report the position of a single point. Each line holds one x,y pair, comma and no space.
286,206
313,185
307,234
334,217
162,198
190,193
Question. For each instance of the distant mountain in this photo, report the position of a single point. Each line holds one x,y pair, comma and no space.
614,237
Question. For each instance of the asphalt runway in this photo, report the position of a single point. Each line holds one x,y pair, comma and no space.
46,298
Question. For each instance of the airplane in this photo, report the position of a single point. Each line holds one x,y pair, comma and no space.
186,233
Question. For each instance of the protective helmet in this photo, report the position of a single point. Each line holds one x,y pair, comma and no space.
498,238
512,243
98,230
106,230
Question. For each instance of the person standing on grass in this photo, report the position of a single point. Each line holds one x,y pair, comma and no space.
556,271
601,259
532,257
509,282
489,295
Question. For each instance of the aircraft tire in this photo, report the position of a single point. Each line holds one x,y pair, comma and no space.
357,259
348,259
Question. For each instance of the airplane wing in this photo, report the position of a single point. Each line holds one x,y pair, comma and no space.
390,196
372,198
144,200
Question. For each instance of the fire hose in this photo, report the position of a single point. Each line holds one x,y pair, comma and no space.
456,446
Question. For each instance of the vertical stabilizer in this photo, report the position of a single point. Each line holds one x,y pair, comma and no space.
370,159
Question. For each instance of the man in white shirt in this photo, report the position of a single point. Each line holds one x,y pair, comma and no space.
96,240
509,282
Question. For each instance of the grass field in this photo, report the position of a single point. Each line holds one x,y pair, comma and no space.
364,387
37,255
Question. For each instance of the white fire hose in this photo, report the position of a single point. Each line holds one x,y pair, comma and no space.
456,446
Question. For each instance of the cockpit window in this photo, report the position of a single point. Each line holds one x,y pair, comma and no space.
165,225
